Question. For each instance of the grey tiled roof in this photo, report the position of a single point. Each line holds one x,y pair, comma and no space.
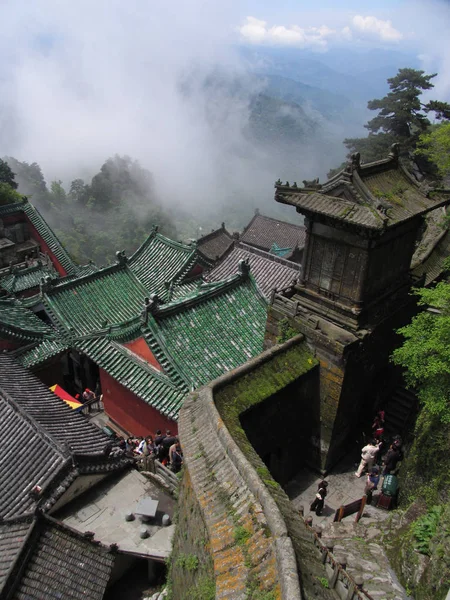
433,265
339,208
54,563
41,438
50,417
12,539
214,245
269,271
28,457
263,232
375,195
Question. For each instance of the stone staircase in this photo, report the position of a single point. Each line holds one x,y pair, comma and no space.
401,412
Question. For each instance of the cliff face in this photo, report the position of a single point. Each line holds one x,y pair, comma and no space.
419,545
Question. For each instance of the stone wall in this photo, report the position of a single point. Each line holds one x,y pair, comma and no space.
282,427
251,549
258,544
191,573
356,375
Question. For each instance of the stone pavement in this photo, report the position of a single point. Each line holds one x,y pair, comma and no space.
358,542
343,488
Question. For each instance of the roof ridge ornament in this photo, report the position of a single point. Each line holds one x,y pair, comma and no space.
310,184
45,284
394,151
244,268
354,163
121,257
151,306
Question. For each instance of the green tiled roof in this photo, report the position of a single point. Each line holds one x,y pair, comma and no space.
221,329
41,353
31,301
155,388
112,294
49,237
26,279
161,260
10,209
20,323
44,231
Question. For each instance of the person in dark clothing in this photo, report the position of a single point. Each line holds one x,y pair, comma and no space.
391,458
319,501
167,442
159,438
176,460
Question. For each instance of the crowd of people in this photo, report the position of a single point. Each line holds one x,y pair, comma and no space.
378,459
164,447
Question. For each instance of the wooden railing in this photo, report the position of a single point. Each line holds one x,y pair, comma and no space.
350,509
94,405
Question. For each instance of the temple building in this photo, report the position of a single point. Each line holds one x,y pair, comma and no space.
29,250
57,539
360,263
142,332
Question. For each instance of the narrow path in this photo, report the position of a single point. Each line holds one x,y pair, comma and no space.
343,488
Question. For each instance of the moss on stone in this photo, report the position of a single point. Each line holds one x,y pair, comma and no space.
422,559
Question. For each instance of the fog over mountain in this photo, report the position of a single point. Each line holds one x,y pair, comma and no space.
214,117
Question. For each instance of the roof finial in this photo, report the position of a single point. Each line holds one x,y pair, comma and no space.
312,184
244,268
394,151
121,257
150,307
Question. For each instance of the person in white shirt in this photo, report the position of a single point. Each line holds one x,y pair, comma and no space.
368,457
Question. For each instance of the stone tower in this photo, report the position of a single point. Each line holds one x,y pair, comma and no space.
362,227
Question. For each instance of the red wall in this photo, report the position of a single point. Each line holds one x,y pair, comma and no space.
8,345
129,412
141,348
45,248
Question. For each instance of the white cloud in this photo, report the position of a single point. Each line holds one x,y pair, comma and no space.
377,27
257,31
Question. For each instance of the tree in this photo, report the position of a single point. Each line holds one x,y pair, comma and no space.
400,111
8,195
79,192
400,117
58,194
30,181
441,109
435,146
425,353
6,175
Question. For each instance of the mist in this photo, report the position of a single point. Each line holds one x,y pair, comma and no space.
83,81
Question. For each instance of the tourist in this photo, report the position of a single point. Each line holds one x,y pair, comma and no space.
176,460
88,395
167,442
319,501
378,425
392,457
159,437
368,456
373,479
